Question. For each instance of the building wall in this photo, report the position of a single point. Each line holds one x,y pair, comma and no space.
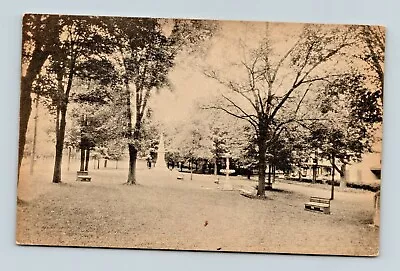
361,172
357,172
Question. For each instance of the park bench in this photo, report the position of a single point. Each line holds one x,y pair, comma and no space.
84,178
318,204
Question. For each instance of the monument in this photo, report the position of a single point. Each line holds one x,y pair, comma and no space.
227,185
161,164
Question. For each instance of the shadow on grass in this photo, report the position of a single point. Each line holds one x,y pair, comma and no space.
279,190
272,189
268,189
64,184
254,196
132,184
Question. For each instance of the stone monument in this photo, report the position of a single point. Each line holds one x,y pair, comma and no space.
161,164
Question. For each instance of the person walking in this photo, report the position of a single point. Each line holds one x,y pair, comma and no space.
149,161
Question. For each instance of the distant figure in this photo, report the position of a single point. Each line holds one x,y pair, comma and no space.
149,162
169,165
180,166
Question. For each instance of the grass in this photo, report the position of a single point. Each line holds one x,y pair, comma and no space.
162,212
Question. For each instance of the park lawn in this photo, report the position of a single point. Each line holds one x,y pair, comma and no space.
162,212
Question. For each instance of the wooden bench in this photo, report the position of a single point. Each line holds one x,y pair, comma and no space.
84,178
319,204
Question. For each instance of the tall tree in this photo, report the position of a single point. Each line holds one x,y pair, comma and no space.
146,50
144,54
270,93
347,126
39,36
80,39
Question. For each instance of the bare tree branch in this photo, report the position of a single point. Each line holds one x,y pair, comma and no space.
243,117
250,116
301,100
231,85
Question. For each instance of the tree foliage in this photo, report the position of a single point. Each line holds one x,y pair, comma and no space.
373,53
145,53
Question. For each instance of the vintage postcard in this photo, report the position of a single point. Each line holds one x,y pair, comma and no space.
200,135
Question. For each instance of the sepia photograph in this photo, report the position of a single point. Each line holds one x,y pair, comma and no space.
200,135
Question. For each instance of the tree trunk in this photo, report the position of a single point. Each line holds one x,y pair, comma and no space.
63,103
105,163
34,67
262,166
132,164
299,172
227,168
269,174
25,112
82,167
98,163
273,174
60,145
314,174
191,169
87,159
343,176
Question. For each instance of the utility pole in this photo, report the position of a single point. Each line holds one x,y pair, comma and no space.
315,167
333,177
69,157
33,154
